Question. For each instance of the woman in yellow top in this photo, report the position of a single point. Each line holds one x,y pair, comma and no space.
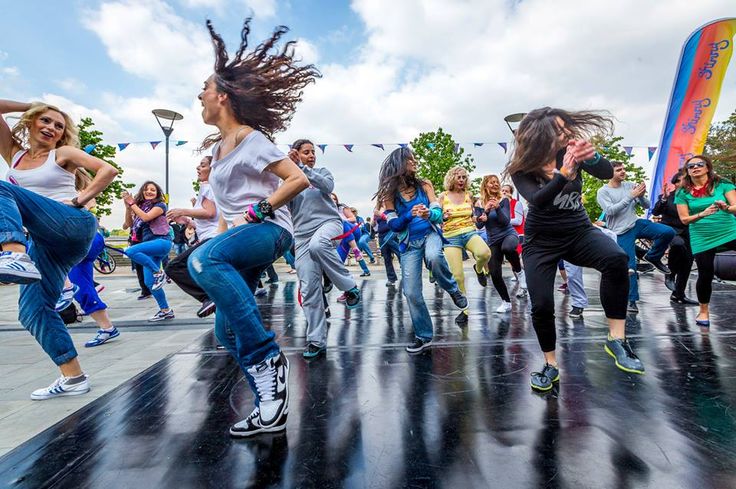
460,232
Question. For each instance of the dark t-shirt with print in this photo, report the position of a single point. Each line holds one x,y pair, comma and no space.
556,206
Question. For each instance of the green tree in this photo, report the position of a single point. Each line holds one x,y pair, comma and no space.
721,147
612,150
89,135
196,186
436,152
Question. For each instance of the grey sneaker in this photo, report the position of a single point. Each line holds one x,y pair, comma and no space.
459,299
543,381
624,355
17,268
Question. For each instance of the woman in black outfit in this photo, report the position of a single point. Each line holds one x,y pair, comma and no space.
551,150
680,258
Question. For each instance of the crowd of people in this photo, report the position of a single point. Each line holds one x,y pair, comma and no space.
254,197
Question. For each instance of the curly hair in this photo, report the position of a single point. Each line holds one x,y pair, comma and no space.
537,140
451,177
139,198
21,130
264,85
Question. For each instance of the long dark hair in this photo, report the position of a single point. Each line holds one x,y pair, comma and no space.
263,86
139,199
537,140
713,177
393,176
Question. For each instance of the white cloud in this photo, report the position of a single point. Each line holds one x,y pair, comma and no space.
260,8
307,51
71,85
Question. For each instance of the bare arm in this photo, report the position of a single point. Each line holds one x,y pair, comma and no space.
208,211
73,158
7,146
128,222
294,182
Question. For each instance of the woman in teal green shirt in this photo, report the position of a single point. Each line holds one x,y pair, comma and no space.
707,203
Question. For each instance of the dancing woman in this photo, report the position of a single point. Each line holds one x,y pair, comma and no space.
460,233
41,196
145,215
551,151
352,234
707,203
316,224
248,99
414,214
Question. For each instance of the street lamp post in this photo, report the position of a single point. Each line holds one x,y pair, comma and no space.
513,121
165,119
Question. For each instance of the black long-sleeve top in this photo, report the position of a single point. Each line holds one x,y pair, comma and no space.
556,206
667,209
498,222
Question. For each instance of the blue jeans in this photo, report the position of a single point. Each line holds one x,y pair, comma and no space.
659,233
149,255
60,236
427,249
82,275
289,257
364,247
229,277
461,240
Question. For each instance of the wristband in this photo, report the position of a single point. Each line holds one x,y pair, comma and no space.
596,159
266,209
75,203
252,214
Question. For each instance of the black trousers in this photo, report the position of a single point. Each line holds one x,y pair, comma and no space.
178,272
139,273
680,262
500,249
706,270
586,247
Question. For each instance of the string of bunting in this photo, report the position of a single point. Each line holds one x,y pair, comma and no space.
382,146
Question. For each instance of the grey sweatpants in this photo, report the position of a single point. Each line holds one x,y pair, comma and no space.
314,255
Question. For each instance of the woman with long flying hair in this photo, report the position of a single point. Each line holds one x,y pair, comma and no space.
552,149
316,224
414,215
41,195
460,233
495,215
145,215
707,204
249,98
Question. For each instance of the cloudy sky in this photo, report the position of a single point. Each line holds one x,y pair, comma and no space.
391,69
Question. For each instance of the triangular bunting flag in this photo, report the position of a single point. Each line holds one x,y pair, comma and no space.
457,148
430,145
154,144
477,145
122,146
179,143
651,150
322,147
89,148
349,147
378,146
628,149
403,145
504,146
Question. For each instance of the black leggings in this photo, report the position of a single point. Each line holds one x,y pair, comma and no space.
585,247
706,270
680,262
503,248
178,271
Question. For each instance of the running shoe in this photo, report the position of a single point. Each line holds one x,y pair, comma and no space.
504,307
159,280
66,298
459,299
632,308
624,355
61,387
658,264
313,350
482,279
684,300
390,283
352,298
144,296
461,319
418,346
103,336
17,268
161,316
544,380
576,312
208,307
365,274
271,380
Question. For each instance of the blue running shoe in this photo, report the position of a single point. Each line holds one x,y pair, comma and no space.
624,355
544,380
102,337
313,350
352,298
66,298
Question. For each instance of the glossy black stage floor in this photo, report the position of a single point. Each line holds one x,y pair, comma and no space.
462,416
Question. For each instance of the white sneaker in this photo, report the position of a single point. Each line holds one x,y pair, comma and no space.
271,379
522,279
17,268
60,388
504,307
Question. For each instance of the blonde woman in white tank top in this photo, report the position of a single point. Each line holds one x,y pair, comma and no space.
40,195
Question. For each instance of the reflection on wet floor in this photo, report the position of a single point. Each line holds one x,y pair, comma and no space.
369,415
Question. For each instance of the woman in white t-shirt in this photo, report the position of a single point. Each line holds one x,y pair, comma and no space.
249,99
205,218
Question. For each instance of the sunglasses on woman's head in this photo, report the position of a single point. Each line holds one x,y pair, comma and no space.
698,164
